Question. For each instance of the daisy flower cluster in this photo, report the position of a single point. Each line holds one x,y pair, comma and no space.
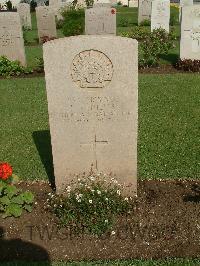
92,202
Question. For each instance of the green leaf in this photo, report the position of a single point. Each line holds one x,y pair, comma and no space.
18,199
11,191
5,215
28,208
5,200
28,197
1,189
14,210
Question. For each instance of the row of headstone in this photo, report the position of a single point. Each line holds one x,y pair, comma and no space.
156,11
99,21
11,35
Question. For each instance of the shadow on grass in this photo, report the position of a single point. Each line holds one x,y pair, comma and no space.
42,141
17,250
171,58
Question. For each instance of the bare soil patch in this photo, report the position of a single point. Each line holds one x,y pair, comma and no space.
165,222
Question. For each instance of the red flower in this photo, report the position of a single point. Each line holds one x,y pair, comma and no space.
113,11
5,171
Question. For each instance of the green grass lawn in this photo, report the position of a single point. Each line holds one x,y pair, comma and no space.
169,124
126,20
169,262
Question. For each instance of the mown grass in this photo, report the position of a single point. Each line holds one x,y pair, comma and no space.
168,262
169,124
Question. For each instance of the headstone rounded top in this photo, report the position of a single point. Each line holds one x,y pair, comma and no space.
92,38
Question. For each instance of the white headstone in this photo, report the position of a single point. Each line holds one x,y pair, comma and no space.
133,3
100,21
25,15
160,15
190,32
46,23
144,10
11,37
184,3
92,91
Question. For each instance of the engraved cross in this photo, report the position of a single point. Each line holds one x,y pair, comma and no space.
94,144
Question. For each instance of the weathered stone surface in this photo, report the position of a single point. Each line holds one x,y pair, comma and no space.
144,10
130,3
190,33
184,3
46,23
92,91
133,3
25,16
57,6
100,21
11,37
160,15
104,3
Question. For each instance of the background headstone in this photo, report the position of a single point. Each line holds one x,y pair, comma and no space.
57,6
100,21
46,22
190,32
133,3
144,10
100,3
104,3
25,15
160,14
184,3
11,37
92,92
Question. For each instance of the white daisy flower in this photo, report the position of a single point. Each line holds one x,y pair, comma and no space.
92,178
